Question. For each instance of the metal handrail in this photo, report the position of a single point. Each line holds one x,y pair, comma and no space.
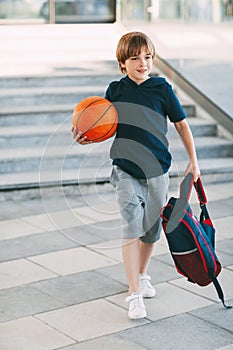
201,99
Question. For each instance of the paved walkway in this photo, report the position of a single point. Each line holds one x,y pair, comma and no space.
62,281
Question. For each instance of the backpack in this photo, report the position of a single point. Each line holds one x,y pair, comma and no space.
192,242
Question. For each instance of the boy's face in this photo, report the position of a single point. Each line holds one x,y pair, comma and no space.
139,67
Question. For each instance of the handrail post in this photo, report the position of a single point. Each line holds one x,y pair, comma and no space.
51,11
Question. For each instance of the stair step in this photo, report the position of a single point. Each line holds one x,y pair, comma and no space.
206,147
34,109
97,71
58,157
36,145
91,175
53,178
190,110
47,96
24,117
67,78
207,166
32,136
74,155
200,127
41,134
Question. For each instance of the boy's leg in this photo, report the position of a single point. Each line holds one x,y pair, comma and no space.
136,257
131,257
146,288
146,250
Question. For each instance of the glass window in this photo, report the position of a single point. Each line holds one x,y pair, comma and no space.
66,11
227,10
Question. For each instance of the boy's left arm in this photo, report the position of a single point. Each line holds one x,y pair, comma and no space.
186,136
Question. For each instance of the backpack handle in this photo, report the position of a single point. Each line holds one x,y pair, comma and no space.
200,192
186,188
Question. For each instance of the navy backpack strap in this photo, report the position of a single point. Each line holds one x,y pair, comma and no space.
220,293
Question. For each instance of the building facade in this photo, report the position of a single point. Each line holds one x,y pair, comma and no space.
107,11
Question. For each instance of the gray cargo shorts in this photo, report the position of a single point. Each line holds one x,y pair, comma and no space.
140,202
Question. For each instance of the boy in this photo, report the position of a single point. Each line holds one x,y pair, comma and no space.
141,158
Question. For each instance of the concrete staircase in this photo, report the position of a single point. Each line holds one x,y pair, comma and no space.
36,147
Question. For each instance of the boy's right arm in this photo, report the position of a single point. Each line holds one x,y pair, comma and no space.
185,133
77,136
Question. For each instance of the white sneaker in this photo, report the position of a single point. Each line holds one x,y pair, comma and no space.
147,290
136,307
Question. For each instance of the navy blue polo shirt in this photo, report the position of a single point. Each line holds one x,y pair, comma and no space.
140,146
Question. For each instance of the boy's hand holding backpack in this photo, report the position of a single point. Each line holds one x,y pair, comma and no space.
192,241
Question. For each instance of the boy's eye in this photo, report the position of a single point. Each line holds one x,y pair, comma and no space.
148,57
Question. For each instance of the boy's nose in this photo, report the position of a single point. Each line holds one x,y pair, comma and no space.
143,62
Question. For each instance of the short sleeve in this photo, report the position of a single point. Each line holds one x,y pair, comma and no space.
174,110
107,94
111,91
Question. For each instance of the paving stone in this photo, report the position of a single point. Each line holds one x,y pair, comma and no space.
228,347
162,241
179,332
225,278
117,272
158,271
160,248
110,342
18,272
218,191
90,320
59,201
24,301
109,248
219,316
30,333
161,272
169,301
106,230
223,228
59,219
80,287
225,259
11,210
50,221
226,246
33,245
72,260
113,248
100,212
83,235
166,258
220,208
47,203
17,228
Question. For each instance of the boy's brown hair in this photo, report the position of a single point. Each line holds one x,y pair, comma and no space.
130,45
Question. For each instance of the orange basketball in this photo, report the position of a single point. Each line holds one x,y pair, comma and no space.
96,117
